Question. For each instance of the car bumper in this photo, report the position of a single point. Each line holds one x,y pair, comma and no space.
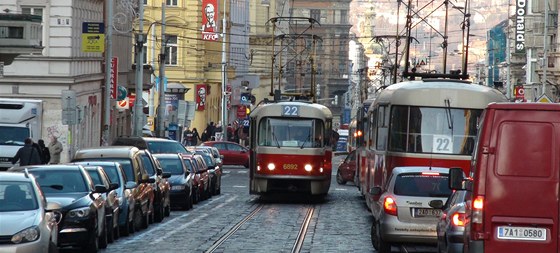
71,237
455,241
179,197
41,245
394,230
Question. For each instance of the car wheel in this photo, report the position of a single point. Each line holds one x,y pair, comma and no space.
110,235
339,178
138,220
52,247
93,245
117,232
103,238
378,243
151,215
195,195
167,210
160,212
146,221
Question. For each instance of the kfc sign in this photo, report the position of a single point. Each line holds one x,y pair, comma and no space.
209,20
200,95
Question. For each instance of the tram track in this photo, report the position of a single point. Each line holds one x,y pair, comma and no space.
300,238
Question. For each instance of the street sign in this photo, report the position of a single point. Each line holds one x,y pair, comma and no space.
121,92
519,92
544,99
93,37
241,112
245,98
93,27
123,104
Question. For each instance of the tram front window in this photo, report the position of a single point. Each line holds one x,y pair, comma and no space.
433,130
281,132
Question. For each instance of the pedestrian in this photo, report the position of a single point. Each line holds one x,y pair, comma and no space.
55,148
230,133
218,132
205,136
195,137
38,148
187,136
45,154
210,129
334,139
27,155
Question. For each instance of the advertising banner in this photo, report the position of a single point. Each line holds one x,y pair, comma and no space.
210,20
114,77
200,97
520,13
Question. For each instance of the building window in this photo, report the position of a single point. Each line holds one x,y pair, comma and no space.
32,10
342,68
342,46
343,17
171,2
171,49
316,14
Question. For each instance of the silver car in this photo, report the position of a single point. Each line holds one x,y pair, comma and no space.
28,222
451,225
404,213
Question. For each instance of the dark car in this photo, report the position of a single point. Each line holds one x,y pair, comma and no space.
347,169
201,184
234,154
181,180
138,180
161,186
451,225
126,199
99,177
215,172
154,145
211,150
82,204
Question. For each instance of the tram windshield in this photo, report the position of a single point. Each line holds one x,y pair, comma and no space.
282,132
433,129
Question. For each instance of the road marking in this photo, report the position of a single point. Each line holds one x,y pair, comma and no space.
340,189
239,186
242,172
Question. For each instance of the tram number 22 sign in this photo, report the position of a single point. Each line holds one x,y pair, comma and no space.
290,110
442,144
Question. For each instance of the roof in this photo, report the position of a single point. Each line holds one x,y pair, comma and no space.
306,108
105,151
525,106
13,176
47,167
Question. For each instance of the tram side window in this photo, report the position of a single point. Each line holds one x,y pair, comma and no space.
371,133
382,128
398,131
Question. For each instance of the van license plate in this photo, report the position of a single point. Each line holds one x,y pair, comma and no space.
522,233
427,212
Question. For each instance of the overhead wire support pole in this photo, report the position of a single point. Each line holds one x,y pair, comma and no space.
545,47
108,61
445,36
397,42
224,77
140,40
160,129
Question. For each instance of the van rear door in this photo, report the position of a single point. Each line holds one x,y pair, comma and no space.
521,205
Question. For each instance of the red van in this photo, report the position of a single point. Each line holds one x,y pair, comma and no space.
514,180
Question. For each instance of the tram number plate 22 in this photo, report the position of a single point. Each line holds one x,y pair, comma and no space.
290,110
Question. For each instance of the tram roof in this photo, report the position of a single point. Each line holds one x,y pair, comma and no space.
306,108
434,93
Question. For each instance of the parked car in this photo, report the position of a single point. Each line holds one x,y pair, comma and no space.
99,177
154,145
165,178
126,200
201,184
139,181
234,154
82,206
514,205
210,150
403,213
214,171
347,169
162,203
451,225
28,223
181,180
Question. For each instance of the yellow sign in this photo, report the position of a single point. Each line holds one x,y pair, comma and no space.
544,99
93,42
150,123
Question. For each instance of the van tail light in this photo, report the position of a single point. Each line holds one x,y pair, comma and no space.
390,206
458,219
477,224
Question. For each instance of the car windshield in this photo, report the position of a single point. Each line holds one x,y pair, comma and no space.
148,164
112,173
209,161
60,181
17,196
420,185
125,163
172,166
163,147
188,165
95,177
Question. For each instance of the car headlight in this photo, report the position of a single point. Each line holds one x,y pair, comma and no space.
80,212
177,187
27,235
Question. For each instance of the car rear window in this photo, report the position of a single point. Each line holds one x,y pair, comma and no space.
167,147
172,166
421,185
125,163
52,180
148,164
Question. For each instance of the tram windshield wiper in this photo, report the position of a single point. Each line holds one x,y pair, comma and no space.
305,141
276,139
448,114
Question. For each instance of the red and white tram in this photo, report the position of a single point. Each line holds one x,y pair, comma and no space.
290,145
421,123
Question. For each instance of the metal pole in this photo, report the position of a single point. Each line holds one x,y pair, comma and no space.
161,100
224,77
445,37
545,47
108,60
153,60
508,62
138,114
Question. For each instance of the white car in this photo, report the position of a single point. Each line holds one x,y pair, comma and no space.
404,212
29,223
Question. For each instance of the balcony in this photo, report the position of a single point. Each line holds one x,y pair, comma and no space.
19,34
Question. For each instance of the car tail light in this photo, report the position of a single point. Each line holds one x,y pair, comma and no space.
458,219
389,206
477,227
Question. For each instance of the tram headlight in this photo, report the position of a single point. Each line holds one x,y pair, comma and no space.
308,167
271,166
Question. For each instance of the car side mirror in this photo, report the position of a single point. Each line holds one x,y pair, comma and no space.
222,157
113,186
130,185
456,179
151,180
159,171
437,204
375,190
52,206
100,189
165,175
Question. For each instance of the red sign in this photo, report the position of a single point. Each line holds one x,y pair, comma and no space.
519,92
228,96
200,97
241,112
210,20
114,76
131,100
